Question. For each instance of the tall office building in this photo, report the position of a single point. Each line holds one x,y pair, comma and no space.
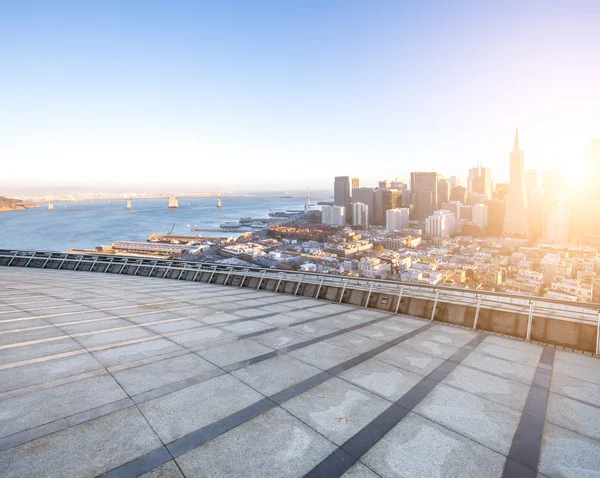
496,212
385,184
386,199
465,213
360,215
480,181
443,191
453,207
355,185
341,191
424,192
478,198
440,223
556,219
554,183
515,220
334,215
479,214
531,179
459,193
593,170
501,190
390,199
366,196
397,219
341,194
454,182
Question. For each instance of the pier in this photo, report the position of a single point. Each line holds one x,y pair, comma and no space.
183,239
209,229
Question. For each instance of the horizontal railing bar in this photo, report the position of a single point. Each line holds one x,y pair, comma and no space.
497,299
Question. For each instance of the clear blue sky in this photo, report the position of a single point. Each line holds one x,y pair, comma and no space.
291,92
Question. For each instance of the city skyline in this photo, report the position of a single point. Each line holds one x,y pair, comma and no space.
579,175
98,94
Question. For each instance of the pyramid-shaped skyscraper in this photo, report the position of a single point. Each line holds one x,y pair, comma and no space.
515,220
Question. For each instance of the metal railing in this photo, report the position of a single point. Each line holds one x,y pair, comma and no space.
580,312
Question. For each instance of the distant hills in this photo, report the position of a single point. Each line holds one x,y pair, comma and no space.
9,204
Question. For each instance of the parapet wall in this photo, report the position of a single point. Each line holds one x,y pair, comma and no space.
563,333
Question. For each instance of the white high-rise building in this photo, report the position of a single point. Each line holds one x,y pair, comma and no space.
556,223
397,219
479,214
334,215
360,215
515,219
441,223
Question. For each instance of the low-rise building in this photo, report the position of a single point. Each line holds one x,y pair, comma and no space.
374,268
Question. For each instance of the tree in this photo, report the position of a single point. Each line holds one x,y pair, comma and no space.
378,249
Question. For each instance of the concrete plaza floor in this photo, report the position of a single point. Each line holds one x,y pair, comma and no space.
129,376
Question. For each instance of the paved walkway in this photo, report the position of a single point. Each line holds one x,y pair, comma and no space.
129,376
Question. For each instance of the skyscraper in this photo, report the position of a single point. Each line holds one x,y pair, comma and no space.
556,220
360,215
480,181
496,213
531,179
459,193
341,192
515,219
366,196
424,191
554,183
443,191
479,215
355,185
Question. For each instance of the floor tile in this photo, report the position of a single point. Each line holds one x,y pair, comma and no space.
336,409
417,447
272,445
483,421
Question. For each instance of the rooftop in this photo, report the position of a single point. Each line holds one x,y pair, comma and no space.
106,373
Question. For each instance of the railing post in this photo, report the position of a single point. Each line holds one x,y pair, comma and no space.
343,290
437,295
399,299
530,319
31,258
211,275
598,336
244,278
319,288
261,280
107,267
279,282
228,274
47,259
63,261
12,258
369,295
298,285
477,312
